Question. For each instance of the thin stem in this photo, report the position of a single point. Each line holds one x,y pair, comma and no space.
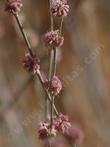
52,26
23,33
49,77
54,61
52,111
61,25
31,53
46,91
50,64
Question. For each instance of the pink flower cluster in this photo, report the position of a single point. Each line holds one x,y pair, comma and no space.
53,39
61,122
61,125
45,130
31,63
13,6
54,86
59,7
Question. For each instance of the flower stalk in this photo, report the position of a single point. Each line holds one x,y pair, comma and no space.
23,33
52,86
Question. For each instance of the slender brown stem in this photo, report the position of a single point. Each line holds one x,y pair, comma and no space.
54,61
46,91
23,33
31,53
51,64
61,25
52,111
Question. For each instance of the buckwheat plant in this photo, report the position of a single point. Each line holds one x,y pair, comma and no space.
57,129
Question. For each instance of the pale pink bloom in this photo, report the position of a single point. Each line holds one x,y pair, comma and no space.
13,6
59,7
53,38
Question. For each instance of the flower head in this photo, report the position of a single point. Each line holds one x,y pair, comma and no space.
53,38
46,131
31,63
13,6
59,7
73,134
61,122
54,86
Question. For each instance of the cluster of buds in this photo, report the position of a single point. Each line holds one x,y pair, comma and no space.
53,39
61,125
31,63
13,6
59,7
54,86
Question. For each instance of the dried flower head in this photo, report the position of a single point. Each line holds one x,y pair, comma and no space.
13,6
61,122
54,86
31,63
53,39
46,130
73,134
59,7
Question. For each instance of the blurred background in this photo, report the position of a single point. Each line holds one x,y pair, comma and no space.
83,64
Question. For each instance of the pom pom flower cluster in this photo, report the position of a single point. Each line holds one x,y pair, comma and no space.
59,7
58,123
13,6
61,126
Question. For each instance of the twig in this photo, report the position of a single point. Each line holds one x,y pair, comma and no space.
54,61
23,33
48,94
61,25
31,53
52,111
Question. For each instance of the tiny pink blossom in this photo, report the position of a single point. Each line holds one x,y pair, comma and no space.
31,63
61,122
54,86
53,38
59,7
13,6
